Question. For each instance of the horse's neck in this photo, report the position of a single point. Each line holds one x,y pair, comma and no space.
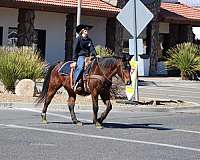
108,72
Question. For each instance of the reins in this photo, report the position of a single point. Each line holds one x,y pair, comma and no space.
111,75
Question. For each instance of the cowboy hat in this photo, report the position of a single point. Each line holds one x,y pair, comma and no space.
82,26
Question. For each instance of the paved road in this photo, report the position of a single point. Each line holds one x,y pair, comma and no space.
126,136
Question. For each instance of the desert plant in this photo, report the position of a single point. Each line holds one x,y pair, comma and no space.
186,58
102,51
17,64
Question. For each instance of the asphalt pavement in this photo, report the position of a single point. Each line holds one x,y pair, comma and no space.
125,136
130,132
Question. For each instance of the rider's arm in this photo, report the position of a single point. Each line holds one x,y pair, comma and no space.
92,50
76,49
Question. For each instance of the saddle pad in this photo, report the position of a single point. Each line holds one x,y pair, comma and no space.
65,68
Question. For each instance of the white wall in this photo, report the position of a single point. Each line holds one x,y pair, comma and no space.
98,32
54,24
8,18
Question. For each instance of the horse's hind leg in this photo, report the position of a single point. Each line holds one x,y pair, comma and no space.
50,94
71,104
105,96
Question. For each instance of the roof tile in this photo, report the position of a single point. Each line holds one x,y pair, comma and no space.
87,4
180,11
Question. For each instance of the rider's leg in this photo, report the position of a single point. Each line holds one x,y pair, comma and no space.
79,68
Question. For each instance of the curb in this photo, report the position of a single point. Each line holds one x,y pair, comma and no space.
116,107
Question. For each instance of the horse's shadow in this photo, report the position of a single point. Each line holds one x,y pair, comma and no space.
143,126
154,126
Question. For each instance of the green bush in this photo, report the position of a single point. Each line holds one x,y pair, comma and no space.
19,63
186,58
102,51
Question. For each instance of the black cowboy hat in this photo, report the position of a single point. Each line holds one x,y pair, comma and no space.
82,26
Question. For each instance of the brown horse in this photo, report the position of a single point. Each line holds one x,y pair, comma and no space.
99,81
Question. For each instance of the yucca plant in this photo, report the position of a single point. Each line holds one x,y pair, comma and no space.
19,63
186,58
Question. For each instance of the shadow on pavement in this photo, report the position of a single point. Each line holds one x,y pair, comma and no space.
144,126
154,126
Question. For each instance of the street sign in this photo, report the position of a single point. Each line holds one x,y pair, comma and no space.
127,17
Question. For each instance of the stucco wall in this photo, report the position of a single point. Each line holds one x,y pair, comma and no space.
54,24
98,32
8,18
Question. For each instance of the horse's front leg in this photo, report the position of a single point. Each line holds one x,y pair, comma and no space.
71,104
95,110
105,96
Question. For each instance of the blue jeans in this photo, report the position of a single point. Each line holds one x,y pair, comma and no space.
79,68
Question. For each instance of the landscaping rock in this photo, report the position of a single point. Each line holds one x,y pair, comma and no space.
25,87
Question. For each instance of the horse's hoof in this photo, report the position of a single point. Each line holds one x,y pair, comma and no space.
78,123
44,122
98,126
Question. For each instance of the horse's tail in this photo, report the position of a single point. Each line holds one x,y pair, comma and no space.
45,86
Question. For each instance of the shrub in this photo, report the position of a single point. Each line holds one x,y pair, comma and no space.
102,51
17,64
186,58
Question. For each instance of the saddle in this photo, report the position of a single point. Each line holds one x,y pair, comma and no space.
67,69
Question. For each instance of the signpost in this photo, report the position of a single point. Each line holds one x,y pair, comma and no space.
135,17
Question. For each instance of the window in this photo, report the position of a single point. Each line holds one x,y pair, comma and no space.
39,40
1,36
12,36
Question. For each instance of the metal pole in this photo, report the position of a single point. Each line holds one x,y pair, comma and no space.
136,49
78,19
79,12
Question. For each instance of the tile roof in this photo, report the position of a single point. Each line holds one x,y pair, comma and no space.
86,4
179,12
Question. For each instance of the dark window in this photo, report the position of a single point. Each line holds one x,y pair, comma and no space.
1,36
40,41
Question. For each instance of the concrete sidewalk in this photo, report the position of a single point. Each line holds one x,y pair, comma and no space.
85,103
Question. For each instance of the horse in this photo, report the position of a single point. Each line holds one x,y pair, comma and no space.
99,82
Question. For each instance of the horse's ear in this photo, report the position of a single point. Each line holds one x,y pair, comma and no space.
127,57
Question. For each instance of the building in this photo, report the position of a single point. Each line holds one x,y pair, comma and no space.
49,26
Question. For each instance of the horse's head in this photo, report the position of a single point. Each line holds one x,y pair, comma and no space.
124,69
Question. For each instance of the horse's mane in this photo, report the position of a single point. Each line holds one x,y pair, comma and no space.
107,62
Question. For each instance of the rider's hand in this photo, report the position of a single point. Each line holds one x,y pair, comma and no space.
92,58
73,64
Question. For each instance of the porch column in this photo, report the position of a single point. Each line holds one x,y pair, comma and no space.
69,36
25,27
153,34
174,34
186,34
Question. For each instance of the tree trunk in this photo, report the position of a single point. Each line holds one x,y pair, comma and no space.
69,36
25,27
154,45
119,29
184,76
118,39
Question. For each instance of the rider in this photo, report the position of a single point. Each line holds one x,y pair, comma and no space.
83,48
